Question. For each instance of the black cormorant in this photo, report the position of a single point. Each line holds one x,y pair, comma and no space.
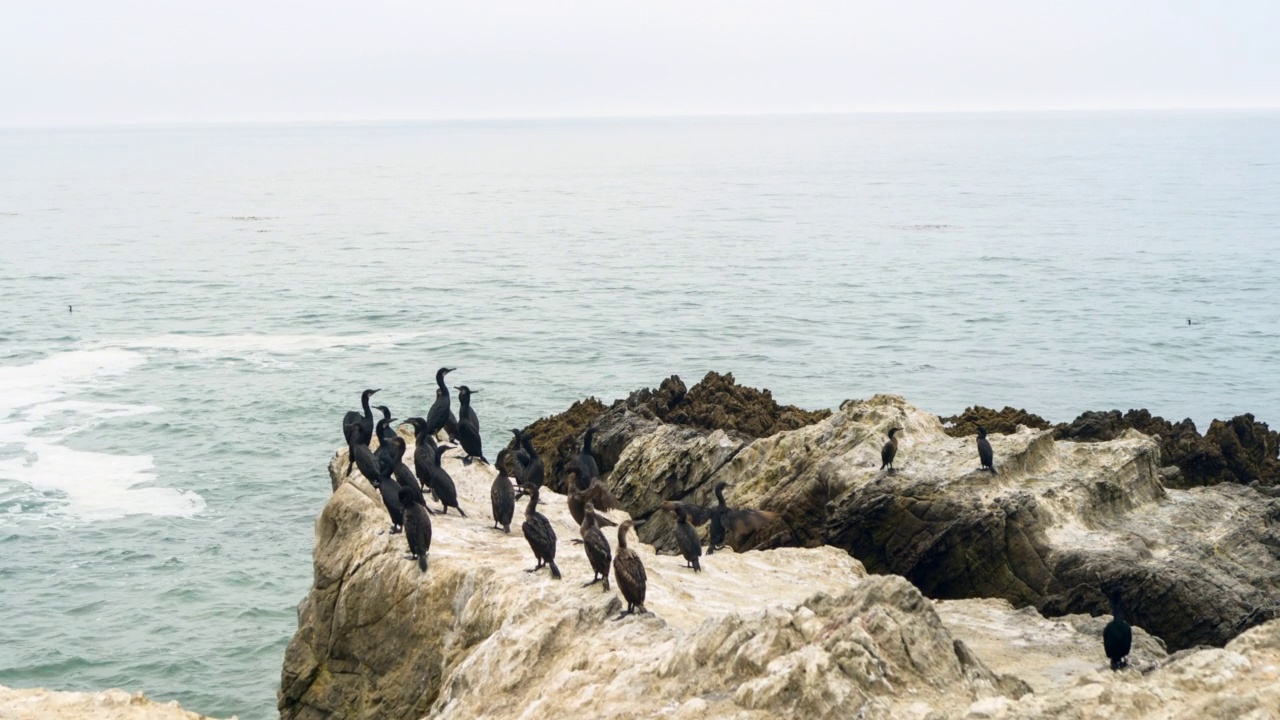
503,494
389,489
1117,636
442,485
417,526
629,572
468,426
529,464
385,453
984,451
541,536
585,461
597,547
357,428
889,450
687,539
438,416
424,450
366,463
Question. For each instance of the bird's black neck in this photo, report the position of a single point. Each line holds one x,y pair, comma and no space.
1117,610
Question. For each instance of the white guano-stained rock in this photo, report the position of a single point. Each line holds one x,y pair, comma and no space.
782,633
41,704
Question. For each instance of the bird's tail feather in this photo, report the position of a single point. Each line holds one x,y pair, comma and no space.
555,571
422,562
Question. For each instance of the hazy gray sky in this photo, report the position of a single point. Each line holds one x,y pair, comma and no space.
83,61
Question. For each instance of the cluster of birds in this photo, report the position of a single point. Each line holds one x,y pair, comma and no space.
402,491
402,495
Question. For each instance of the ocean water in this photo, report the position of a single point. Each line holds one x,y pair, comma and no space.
233,288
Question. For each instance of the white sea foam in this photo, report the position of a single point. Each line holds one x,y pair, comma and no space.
92,485
246,346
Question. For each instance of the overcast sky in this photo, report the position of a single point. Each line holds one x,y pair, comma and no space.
100,61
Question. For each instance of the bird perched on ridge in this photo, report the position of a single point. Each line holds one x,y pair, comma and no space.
468,426
597,547
529,467
889,450
725,520
442,485
984,451
386,462
417,526
439,415
502,495
585,461
539,534
687,540
357,428
629,572
577,501
1117,636
424,450
389,489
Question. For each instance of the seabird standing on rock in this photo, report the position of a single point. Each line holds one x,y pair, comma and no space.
384,453
468,426
889,450
403,475
541,536
357,428
502,495
389,489
366,463
687,539
439,415
442,485
585,461
529,468
725,520
984,451
424,450
629,572
577,501
597,547
417,526
1117,636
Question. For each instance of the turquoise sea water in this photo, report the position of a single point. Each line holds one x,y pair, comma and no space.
163,446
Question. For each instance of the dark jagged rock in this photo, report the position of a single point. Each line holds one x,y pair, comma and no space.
557,438
716,403
1240,450
1004,421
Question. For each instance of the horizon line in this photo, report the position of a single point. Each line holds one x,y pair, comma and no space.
480,118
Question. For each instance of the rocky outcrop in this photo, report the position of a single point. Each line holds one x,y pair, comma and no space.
718,402
1240,450
783,633
41,704
1060,522
790,632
